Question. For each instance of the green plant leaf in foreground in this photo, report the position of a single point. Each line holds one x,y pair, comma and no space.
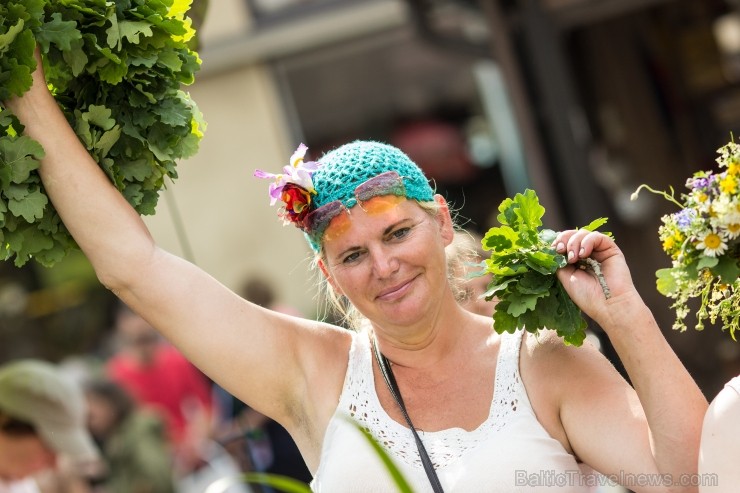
401,483
290,485
280,483
522,266
116,69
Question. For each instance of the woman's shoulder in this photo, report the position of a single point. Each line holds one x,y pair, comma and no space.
324,353
564,367
336,336
548,346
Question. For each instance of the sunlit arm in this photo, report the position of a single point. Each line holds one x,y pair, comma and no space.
658,428
264,358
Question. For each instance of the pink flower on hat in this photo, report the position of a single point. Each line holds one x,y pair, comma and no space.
293,186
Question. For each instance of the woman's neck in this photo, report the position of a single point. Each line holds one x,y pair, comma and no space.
427,343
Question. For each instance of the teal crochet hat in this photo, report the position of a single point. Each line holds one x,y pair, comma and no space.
342,170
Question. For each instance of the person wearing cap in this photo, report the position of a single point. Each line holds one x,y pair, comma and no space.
509,412
42,421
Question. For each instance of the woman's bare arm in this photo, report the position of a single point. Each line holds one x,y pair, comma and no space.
265,358
659,424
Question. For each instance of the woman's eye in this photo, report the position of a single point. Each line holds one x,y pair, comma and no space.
351,257
400,233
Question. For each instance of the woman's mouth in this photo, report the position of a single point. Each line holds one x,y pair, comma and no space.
396,292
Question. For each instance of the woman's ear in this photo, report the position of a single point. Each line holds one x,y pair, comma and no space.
329,278
444,218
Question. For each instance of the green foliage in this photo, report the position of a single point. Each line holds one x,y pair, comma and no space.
523,265
116,70
274,481
290,485
400,481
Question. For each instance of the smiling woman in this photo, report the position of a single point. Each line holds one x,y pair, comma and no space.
527,405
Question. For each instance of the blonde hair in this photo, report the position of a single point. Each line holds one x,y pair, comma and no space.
460,252
464,251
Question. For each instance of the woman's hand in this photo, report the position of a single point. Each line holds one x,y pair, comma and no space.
582,284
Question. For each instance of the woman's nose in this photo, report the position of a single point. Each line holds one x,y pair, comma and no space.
384,264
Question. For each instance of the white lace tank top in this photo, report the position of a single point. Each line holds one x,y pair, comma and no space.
509,452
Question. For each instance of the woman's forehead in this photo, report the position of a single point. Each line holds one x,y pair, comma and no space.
372,217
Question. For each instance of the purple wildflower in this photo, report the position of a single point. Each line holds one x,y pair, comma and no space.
700,182
684,218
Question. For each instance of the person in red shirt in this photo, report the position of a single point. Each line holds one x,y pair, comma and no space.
159,377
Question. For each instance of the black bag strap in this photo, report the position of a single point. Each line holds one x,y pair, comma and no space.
390,381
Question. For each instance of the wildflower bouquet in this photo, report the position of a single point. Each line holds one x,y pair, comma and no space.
703,241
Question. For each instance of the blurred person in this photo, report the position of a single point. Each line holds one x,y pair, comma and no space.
260,291
42,428
133,441
159,377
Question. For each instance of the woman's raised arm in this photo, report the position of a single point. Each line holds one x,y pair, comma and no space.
253,352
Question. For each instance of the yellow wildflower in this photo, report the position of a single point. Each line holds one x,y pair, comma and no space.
734,168
669,244
728,184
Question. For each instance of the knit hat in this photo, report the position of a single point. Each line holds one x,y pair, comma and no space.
313,192
342,170
350,165
34,392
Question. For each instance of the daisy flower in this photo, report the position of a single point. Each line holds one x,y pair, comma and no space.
713,244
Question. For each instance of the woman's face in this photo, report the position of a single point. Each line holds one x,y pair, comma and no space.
389,261
22,456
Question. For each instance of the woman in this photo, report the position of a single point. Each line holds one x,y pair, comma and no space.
380,242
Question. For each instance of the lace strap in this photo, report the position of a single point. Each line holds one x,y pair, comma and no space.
354,368
509,358
509,391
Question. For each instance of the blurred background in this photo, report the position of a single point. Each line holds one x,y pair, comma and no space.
581,100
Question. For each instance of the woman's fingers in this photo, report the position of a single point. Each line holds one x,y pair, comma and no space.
570,244
577,244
